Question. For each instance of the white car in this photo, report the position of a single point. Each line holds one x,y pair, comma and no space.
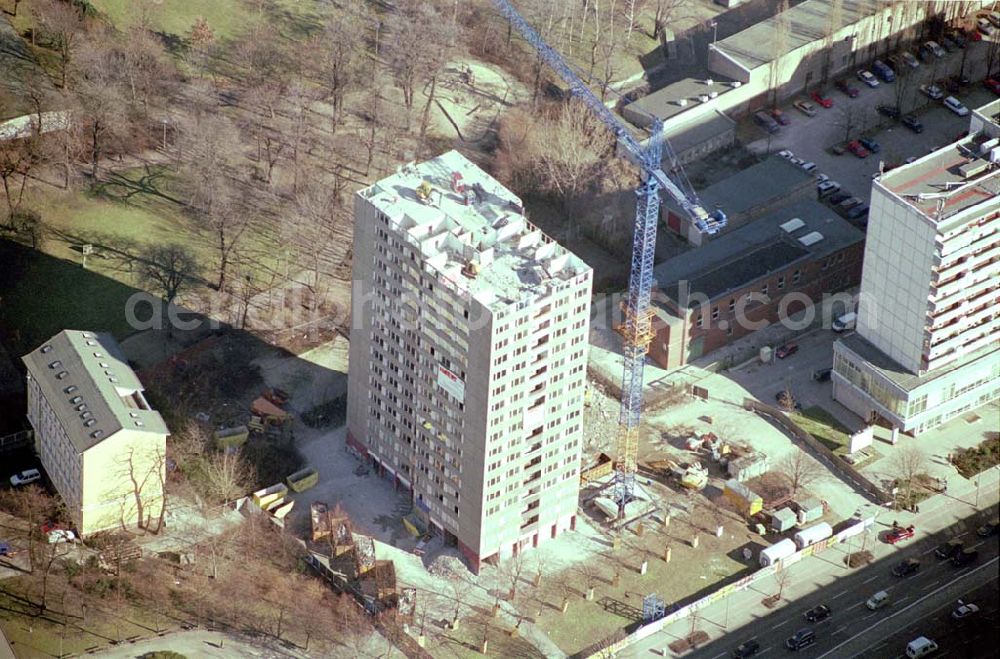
910,59
964,611
867,78
822,178
786,154
61,535
808,166
935,48
994,17
985,26
932,91
956,106
25,477
827,188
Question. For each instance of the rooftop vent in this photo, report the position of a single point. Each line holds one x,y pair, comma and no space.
56,364
736,83
97,434
70,389
793,224
709,82
113,380
91,343
46,348
81,407
713,94
811,238
682,102
86,415
75,399
88,335
973,167
61,374
139,424
98,355
89,422
703,98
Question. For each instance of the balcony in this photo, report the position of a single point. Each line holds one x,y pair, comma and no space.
531,520
537,476
534,461
531,449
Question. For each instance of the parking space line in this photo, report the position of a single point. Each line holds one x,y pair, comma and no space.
931,585
764,650
871,579
928,551
721,654
977,544
781,624
870,615
843,592
854,606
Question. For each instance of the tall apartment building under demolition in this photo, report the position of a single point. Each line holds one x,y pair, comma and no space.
927,346
468,357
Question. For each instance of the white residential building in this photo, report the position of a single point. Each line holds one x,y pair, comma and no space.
468,357
927,346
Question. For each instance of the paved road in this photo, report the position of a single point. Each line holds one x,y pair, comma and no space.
824,579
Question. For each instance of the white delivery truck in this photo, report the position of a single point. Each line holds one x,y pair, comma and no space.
845,322
776,552
812,535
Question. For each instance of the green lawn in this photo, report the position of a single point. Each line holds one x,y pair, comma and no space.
226,17
824,426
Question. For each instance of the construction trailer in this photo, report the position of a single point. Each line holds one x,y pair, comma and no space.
776,552
783,520
812,535
748,466
746,500
809,509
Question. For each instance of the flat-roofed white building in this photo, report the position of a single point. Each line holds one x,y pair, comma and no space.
468,357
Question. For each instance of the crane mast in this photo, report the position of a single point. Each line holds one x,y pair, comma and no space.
637,322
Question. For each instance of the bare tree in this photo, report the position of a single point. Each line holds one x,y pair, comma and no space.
228,476
782,577
337,62
33,505
908,464
799,470
168,268
512,569
17,159
63,24
460,590
779,45
848,117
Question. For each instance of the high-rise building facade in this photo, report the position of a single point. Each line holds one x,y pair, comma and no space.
468,357
927,346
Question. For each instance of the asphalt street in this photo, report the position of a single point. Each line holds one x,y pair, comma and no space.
824,579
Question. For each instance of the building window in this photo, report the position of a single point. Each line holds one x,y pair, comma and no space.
796,276
699,321
763,290
715,313
732,305
781,282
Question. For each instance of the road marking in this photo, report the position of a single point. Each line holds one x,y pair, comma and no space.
901,611
764,650
977,544
902,599
780,624
931,585
840,630
929,551
843,592
871,579
870,615
854,606
721,654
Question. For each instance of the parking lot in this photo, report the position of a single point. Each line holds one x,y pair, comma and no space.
810,138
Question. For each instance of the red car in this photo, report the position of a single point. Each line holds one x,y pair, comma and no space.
786,350
847,88
993,85
822,100
855,147
899,533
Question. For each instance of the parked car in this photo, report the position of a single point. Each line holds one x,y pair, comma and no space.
878,600
959,39
801,639
822,100
855,147
780,117
850,202
909,59
798,162
746,649
932,91
935,48
822,375
25,477
920,647
61,535
994,18
766,121
867,78
805,107
948,45
906,567
913,123
993,85
808,166
838,197
965,557
956,106
949,549
988,529
857,213
870,144
888,111
983,25
786,154
787,350
822,178
925,54
847,88
883,71
817,613
963,611
827,188
900,533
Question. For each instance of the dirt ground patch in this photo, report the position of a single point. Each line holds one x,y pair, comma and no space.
469,98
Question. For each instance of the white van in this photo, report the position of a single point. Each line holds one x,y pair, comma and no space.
845,322
878,600
920,647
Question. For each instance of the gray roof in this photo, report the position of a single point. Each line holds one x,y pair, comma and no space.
755,185
902,378
698,131
664,102
752,252
807,22
85,377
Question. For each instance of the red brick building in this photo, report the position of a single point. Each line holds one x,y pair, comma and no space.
749,278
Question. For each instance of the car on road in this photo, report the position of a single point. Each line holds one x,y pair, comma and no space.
787,350
827,188
963,611
878,600
935,48
867,78
25,477
909,59
906,567
888,111
983,25
870,144
949,549
965,557
988,529
801,639
913,123
992,84
900,533
956,106
822,375
847,88
746,649
825,101
932,92
805,107
817,613
855,147
780,117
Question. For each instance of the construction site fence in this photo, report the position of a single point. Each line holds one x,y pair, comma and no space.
607,648
846,471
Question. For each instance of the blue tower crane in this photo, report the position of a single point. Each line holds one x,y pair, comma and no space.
637,326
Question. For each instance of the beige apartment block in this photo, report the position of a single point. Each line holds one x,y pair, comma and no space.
101,444
927,346
468,357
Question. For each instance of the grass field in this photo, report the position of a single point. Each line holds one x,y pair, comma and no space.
824,426
226,17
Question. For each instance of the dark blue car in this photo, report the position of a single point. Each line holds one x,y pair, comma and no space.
870,144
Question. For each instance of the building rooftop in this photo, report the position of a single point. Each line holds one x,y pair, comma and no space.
472,231
898,375
676,98
766,245
947,181
807,22
692,133
86,379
